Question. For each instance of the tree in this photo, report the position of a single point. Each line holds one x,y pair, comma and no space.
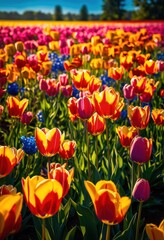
83,13
112,9
149,9
58,13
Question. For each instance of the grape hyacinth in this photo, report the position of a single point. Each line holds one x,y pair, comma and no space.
29,145
13,88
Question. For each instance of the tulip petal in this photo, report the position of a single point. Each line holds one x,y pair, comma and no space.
102,184
91,190
41,140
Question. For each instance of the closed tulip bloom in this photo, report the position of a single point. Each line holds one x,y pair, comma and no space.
9,158
158,116
16,107
94,84
20,61
140,149
27,117
62,175
128,91
48,141
42,196
141,190
96,124
109,206
126,134
116,73
10,213
72,108
85,107
154,232
139,84
106,102
139,116
67,149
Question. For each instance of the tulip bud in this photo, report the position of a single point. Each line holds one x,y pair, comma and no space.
141,190
128,91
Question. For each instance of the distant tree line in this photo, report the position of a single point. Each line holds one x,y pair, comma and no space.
111,10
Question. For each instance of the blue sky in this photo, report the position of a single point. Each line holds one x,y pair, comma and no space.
94,6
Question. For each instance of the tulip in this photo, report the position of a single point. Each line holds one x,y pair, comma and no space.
140,149
67,149
72,108
126,134
3,77
19,46
20,61
81,80
9,158
150,66
141,190
139,117
42,196
96,124
62,175
94,84
158,116
116,73
10,212
63,79
66,90
128,91
76,63
26,117
109,206
16,107
1,110
154,232
48,141
106,102
138,83
85,107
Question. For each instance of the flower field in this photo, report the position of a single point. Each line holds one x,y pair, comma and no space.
81,130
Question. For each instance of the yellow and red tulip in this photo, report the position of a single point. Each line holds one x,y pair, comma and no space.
107,102
67,149
62,175
48,141
116,72
96,124
154,232
81,80
9,158
126,134
150,66
10,211
109,206
139,84
15,106
158,116
139,116
42,196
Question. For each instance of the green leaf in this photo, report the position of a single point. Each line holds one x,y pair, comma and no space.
87,221
47,235
71,234
129,232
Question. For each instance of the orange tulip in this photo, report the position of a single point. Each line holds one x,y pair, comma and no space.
96,124
139,116
16,107
154,232
107,102
42,196
158,116
48,141
62,175
9,158
110,208
10,211
126,134
150,66
116,72
67,149
72,108
81,80
76,63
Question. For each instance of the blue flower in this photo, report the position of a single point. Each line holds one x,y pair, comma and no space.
40,116
13,88
29,145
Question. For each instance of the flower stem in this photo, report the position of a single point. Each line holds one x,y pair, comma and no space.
107,233
87,143
43,229
108,153
138,220
96,150
132,176
139,171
